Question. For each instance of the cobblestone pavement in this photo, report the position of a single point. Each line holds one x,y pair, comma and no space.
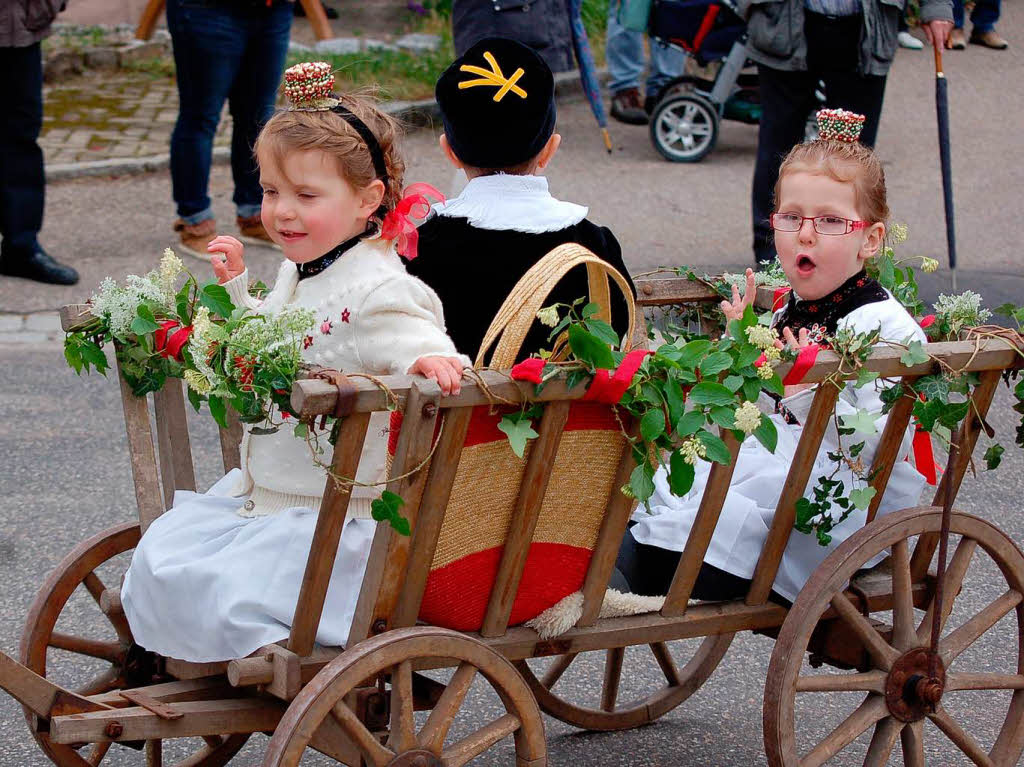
105,116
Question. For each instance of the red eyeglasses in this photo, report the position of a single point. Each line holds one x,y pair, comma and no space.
831,225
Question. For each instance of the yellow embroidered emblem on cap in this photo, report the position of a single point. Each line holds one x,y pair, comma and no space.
494,77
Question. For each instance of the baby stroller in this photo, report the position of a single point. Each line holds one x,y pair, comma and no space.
684,124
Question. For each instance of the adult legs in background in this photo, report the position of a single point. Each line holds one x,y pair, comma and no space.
666,65
786,99
251,99
22,183
209,45
624,52
983,24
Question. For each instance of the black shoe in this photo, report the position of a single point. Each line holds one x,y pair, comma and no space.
37,265
628,108
299,11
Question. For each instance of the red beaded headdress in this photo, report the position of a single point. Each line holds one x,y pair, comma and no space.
309,87
839,125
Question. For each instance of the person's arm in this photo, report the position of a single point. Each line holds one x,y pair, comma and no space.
228,261
937,20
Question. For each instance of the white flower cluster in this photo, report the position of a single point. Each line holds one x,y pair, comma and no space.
771,275
748,417
897,233
119,303
264,334
961,311
204,333
691,449
929,265
170,268
762,336
548,316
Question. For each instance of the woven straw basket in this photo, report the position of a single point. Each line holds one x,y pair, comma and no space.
489,474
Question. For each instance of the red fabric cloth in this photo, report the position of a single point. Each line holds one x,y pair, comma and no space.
609,388
804,362
779,298
924,456
528,370
927,321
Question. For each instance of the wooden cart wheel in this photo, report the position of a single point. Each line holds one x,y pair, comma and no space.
323,713
609,713
890,693
125,663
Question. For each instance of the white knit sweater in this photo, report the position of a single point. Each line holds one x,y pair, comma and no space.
372,317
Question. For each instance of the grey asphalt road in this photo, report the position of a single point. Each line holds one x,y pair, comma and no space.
65,473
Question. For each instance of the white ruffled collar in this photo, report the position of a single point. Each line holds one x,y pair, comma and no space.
519,203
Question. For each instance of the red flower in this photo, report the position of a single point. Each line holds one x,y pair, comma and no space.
307,342
760,360
171,346
528,370
326,326
927,321
345,315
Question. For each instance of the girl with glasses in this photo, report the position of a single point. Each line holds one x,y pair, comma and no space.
830,218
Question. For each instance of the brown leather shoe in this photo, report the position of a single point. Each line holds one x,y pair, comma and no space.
956,40
196,237
251,231
628,107
989,39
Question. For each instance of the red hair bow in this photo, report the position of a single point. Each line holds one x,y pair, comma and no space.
398,225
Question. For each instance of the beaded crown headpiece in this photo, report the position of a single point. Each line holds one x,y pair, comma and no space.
839,125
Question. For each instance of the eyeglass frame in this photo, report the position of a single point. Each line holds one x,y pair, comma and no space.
852,225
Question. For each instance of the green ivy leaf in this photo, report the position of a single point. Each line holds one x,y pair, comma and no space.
518,431
864,377
386,509
711,393
715,447
193,398
862,422
689,422
993,456
93,355
914,355
652,425
301,431
861,497
641,482
933,387
715,363
215,298
144,322
590,310
767,434
589,348
681,474
218,411
804,511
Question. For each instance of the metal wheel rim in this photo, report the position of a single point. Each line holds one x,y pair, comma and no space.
686,121
787,658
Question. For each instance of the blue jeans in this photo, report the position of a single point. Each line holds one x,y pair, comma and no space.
22,186
625,55
232,51
983,17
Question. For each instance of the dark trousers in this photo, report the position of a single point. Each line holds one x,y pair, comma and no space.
787,98
22,182
223,51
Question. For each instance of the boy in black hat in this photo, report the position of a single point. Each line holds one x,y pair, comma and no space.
498,108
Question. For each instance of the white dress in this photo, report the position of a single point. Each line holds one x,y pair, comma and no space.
207,584
759,477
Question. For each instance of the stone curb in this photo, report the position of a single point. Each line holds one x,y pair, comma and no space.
30,328
415,114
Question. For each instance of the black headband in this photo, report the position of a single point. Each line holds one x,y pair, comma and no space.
376,154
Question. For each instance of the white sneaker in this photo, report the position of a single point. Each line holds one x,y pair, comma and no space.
907,40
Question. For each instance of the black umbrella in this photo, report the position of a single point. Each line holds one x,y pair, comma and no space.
942,112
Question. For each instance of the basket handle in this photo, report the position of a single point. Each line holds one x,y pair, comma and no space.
519,311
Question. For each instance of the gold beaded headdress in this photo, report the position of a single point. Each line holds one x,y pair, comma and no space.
839,125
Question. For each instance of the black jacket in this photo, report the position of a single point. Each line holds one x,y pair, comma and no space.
473,270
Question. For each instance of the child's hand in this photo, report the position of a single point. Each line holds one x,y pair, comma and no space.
796,343
232,264
734,310
447,371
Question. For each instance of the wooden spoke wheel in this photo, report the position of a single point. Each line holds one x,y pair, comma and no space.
103,653
575,701
326,714
890,700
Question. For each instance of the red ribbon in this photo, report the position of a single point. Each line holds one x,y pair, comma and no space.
528,370
804,362
168,343
398,225
927,321
609,388
924,457
779,298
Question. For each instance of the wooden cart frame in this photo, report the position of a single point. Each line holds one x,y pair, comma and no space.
357,704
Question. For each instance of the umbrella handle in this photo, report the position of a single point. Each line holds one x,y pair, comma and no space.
938,57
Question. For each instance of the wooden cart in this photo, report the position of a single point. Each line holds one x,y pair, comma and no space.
358,704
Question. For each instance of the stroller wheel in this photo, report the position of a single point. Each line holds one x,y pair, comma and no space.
684,128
